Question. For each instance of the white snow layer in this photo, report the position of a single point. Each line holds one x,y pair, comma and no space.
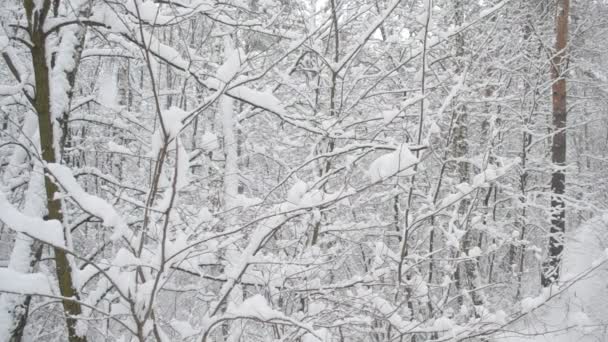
47,231
580,312
297,191
398,162
227,71
89,203
172,121
255,306
24,283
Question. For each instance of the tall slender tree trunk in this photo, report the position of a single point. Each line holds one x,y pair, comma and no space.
558,148
230,330
37,15
466,275
327,144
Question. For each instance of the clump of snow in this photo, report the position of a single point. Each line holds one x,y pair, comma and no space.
297,191
262,99
255,306
116,148
464,188
420,287
168,129
90,203
312,198
147,11
530,303
124,258
50,231
24,283
172,121
227,71
474,252
389,115
434,128
489,174
398,162
443,324
165,52
64,63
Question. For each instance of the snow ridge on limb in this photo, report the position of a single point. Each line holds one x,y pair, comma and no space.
94,205
50,232
256,308
12,281
397,162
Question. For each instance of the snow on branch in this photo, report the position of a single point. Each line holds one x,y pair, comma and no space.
50,232
24,283
92,204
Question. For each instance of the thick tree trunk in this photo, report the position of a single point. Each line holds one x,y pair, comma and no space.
558,148
37,17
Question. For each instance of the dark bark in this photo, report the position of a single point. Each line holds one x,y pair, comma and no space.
42,104
558,149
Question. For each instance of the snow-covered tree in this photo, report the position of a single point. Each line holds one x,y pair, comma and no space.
286,170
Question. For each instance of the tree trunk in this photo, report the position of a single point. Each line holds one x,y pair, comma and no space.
558,147
466,275
37,16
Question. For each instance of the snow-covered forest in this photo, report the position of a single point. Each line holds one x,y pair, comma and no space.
303,170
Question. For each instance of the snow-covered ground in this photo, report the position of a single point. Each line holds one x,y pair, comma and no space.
580,313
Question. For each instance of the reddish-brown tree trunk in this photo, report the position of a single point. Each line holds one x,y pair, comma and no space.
558,148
